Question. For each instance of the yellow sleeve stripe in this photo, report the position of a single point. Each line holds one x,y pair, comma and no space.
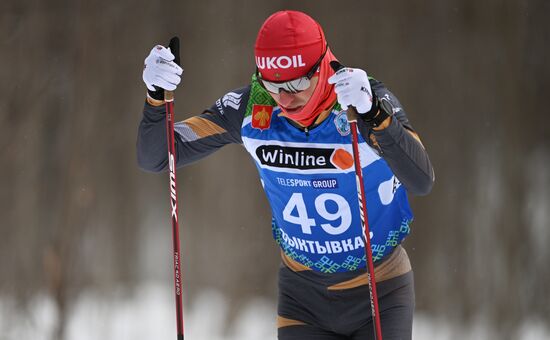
203,127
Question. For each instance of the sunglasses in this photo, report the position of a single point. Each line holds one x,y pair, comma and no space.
292,86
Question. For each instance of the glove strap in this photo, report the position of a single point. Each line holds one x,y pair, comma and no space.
381,109
158,94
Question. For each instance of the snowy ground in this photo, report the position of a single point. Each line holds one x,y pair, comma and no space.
149,315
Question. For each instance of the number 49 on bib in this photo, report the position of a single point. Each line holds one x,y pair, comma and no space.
301,217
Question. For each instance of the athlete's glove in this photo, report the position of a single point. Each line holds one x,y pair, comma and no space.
353,89
161,70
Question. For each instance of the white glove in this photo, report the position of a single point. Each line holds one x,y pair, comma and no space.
352,89
161,70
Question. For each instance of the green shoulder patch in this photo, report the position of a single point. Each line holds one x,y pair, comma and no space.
258,95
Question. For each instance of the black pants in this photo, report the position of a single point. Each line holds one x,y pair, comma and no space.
321,314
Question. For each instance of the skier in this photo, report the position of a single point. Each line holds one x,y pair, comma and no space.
291,119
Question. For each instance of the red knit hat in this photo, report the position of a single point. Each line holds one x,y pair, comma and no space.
288,45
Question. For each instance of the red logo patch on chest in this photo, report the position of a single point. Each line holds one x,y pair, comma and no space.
261,116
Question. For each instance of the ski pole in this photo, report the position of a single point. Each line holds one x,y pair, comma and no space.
352,115
169,99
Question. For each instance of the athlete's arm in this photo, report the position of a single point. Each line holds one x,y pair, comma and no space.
400,146
195,137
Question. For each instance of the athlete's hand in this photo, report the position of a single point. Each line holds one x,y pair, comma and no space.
161,70
352,88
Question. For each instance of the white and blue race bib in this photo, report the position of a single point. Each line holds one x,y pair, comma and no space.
309,180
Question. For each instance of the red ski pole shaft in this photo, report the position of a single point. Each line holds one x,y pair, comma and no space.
365,224
352,115
169,99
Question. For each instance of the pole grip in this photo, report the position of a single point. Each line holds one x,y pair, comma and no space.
351,112
168,96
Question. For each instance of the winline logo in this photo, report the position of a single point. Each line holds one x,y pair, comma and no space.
304,158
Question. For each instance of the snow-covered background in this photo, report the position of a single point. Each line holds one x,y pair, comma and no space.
148,314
